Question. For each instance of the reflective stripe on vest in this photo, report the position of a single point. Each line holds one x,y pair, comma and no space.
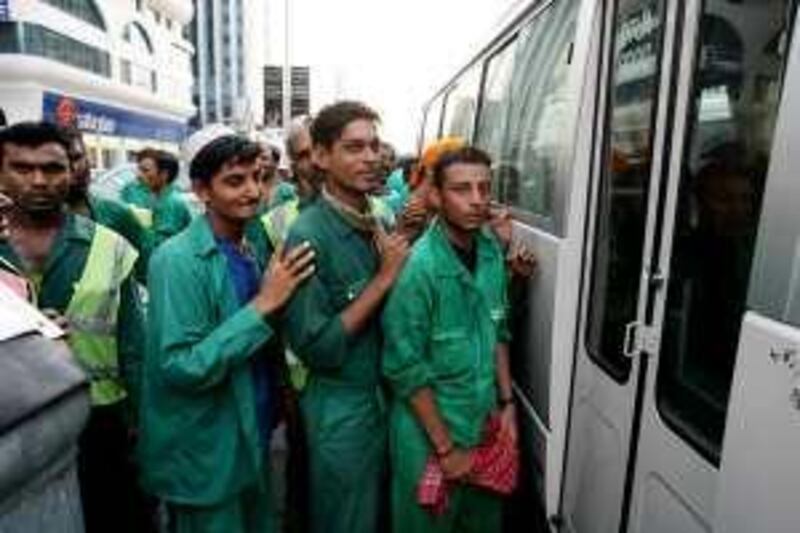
143,215
92,313
277,221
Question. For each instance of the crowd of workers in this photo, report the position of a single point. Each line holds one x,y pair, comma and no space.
359,302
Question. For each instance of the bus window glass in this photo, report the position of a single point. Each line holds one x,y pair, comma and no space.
537,141
737,85
433,119
624,182
494,110
461,105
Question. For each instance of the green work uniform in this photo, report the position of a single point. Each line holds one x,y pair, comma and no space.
108,346
55,286
199,441
442,324
168,213
342,403
116,216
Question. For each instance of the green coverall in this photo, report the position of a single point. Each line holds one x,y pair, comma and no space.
111,497
199,443
342,403
441,326
169,212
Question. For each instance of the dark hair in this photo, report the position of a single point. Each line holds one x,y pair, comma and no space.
166,162
33,135
229,149
147,153
331,121
465,154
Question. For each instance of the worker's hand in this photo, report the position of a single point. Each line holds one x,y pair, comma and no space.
414,217
393,248
286,271
508,423
456,465
58,319
521,260
500,222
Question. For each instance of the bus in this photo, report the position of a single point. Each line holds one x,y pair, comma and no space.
646,149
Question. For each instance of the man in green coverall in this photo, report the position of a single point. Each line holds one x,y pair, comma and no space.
332,323
153,197
445,353
208,395
113,215
81,272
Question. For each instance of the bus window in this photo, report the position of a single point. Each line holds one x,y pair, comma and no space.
433,119
461,105
737,85
624,182
537,141
494,110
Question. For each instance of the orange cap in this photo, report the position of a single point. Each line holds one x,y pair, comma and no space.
435,150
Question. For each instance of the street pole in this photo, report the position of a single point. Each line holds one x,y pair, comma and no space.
287,69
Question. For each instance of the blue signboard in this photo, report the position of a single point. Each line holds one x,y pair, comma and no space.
5,10
93,117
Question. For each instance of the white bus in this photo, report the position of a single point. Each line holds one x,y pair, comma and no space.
647,149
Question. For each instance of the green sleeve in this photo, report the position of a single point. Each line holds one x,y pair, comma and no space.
131,337
126,224
407,331
170,217
195,349
313,325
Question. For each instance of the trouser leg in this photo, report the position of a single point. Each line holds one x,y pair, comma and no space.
110,493
249,512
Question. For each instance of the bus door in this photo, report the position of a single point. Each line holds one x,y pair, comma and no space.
632,113
728,91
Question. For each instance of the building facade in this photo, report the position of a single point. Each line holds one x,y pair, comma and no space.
119,70
228,36
273,94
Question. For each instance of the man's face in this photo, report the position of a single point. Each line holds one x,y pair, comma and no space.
36,179
463,198
306,174
81,174
352,162
234,192
387,160
267,163
148,172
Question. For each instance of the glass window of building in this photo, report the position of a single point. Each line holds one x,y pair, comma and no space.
86,10
140,57
40,41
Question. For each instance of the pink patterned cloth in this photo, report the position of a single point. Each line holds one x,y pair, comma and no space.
495,466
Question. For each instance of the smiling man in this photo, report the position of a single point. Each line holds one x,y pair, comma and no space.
332,322
445,351
208,400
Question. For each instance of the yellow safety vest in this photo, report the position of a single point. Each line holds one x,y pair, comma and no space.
143,215
92,313
277,221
